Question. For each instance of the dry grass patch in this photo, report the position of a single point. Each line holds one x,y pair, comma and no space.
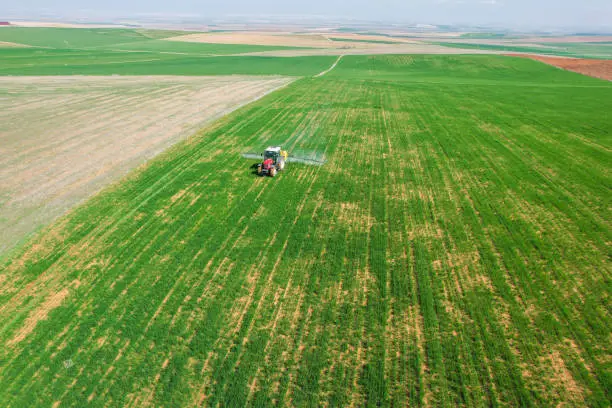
51,302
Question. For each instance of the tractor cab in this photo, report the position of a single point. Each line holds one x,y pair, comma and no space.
273,153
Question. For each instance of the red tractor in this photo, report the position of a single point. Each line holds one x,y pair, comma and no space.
274,161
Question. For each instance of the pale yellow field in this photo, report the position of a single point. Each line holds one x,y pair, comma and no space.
261,38
322,44
64,138
286,39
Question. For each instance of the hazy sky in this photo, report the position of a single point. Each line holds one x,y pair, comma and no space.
577,13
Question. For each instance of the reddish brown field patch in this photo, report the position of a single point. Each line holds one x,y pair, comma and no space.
596,68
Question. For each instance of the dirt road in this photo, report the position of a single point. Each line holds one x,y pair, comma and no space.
330,68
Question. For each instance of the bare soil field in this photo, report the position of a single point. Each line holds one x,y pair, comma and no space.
64,138
596,68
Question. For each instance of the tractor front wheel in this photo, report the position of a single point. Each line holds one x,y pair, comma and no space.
273,172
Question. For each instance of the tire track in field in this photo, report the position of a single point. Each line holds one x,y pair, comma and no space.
278,312
283,385
254,276
397,320
268,285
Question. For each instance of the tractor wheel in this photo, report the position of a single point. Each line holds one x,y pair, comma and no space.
281,165
259,170
273,172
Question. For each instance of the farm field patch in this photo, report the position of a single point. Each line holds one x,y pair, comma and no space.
17,61
595,68
56,24
66,38
370,37
454,250
602,50
192,48
571,50
319,44
375,49
64,138
574,39
257,38
362,40
120,41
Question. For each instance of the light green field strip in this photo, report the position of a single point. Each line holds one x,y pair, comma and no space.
33,62
454,250
78,37
120,40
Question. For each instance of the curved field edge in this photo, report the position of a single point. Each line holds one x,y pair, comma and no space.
454,250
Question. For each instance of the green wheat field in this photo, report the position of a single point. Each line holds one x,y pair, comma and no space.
454,250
